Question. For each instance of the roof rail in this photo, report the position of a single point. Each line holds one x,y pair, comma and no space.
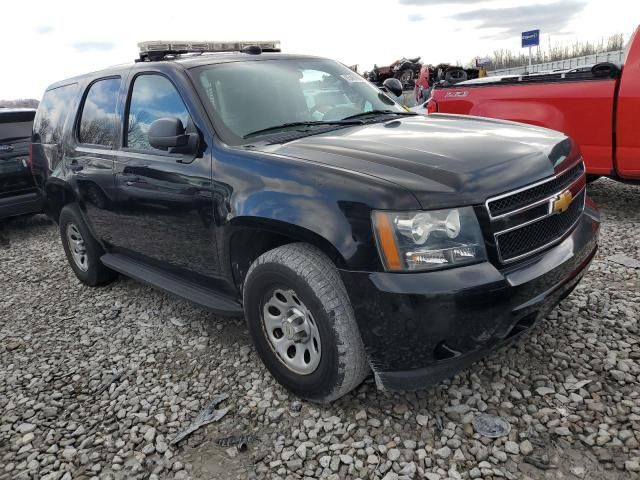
156,50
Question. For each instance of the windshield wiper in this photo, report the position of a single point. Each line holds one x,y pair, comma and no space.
301,124
380,112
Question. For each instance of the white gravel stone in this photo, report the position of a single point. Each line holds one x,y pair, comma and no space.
444,452
570,386
511,447
422,420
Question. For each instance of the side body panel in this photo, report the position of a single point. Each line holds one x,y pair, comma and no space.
582,110
163,207
628,114
88,168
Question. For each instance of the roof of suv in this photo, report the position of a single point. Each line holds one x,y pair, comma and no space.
186,62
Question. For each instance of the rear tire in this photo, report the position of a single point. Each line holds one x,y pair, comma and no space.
406,77
82,250
297,281
456,75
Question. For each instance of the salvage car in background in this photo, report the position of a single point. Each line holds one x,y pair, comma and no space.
406,70
598,107
444,74
18,192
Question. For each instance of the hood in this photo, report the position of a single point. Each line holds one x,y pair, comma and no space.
444,160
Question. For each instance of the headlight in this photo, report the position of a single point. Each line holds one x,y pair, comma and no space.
428,240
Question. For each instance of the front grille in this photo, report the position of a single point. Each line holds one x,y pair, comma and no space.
535,236
523,222
510,202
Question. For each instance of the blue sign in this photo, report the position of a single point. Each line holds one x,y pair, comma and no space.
531,38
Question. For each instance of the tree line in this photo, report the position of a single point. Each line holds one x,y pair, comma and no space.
504,58
20,103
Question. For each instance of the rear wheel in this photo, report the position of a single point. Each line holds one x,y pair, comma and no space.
302,323
82,250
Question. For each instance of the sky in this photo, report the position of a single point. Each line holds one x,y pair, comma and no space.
47,41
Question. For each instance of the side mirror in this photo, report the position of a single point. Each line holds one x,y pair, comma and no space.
170,135
393,85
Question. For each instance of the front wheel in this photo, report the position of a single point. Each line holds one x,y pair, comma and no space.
302,323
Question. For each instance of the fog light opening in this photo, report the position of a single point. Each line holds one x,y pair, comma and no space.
525,323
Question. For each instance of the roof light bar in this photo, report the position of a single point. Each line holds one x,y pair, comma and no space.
157,49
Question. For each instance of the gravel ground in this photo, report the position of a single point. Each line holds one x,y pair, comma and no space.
95,383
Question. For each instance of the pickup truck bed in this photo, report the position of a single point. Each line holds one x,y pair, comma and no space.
597,107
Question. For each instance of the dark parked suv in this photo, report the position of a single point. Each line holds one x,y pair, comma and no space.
18,192
354,237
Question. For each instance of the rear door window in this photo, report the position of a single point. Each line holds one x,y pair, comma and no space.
152,97
52,114
98,117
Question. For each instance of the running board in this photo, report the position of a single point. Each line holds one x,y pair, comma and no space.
155,277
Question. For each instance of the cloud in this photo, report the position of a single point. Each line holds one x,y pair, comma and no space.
93,46
44,29
437,2
512,21
416,17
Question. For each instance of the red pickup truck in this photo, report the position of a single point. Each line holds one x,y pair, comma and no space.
599,107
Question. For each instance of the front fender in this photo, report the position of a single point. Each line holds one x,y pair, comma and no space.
300,198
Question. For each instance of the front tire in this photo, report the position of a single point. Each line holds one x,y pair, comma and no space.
302,323
82,250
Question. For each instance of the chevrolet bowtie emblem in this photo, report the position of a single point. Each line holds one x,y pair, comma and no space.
561,202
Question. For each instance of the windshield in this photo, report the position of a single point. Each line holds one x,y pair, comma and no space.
252,96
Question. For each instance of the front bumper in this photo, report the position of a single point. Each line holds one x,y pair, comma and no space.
419,328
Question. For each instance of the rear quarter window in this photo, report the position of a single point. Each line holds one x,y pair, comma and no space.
52,114
98,118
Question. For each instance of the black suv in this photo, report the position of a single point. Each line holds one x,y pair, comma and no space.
18,192
353,236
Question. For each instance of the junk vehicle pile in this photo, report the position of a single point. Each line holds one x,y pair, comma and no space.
412,73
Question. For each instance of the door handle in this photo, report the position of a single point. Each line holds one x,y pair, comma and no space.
131,179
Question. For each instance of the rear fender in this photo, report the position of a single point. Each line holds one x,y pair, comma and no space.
57,194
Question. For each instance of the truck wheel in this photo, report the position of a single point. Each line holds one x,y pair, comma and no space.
302,324
456,75
82,250
405,77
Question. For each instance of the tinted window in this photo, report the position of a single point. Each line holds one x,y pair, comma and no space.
98,120
152,97
52,113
